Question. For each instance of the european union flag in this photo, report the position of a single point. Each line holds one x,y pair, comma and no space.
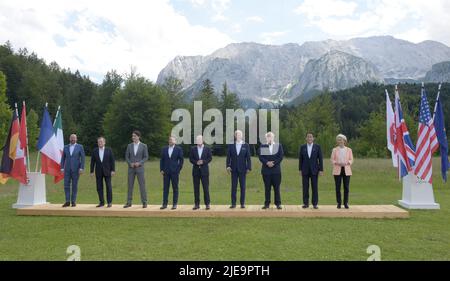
439,126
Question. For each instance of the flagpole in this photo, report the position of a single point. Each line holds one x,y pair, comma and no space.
437,98
28,150
39,152
395,122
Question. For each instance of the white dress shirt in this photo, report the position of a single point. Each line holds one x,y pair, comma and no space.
170,150
101,153
239,146
136,146
309,148
200,151
71,148
271,148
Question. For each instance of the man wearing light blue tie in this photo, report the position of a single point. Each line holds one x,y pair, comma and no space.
72,165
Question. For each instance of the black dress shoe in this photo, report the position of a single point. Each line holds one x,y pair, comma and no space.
109,205
279,207
74,204
265,207
242,206
305,206
196,208
316,207
346,206
163,207
207,207
232,206
100,205
67,204
127,206
144,205
339,206
174,207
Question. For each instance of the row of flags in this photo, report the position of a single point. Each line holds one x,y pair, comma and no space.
431,136
15,151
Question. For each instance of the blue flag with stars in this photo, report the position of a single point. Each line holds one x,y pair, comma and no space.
442,137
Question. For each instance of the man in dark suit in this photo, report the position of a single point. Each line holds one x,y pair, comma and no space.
271,154
310,165
72,165
200,156
102,160
136,155
238,164
170,166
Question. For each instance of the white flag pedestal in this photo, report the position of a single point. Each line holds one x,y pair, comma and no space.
417,194
33,193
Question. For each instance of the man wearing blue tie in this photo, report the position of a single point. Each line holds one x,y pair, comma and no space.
170,166
72,165
238,164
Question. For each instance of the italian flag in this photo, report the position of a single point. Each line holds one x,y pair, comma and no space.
48,147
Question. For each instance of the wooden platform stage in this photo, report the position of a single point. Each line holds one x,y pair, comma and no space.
330,211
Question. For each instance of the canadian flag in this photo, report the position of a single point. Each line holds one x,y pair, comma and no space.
390,130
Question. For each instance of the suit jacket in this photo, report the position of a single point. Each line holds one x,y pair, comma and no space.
141,155
75,162
206,156
276,156
348,160
172,164
107,166
239,163
313,165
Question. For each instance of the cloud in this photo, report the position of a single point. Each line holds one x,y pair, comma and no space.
256,19
413,20
97,36
322,9
218,8
269,38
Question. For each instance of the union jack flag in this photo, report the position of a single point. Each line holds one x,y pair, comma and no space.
404,147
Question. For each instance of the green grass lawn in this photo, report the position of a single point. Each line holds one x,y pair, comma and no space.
424,236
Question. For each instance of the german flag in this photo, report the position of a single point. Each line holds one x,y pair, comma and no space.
9,150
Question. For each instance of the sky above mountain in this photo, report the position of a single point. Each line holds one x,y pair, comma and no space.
96,36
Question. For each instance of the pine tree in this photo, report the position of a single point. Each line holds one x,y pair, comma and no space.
5,110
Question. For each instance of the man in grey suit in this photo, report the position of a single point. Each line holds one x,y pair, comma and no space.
136,155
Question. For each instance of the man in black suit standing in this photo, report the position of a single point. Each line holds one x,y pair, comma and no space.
170,166
271,154
103,161
310,166
238,164
200,156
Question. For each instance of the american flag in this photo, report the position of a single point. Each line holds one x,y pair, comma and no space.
404,147
427,142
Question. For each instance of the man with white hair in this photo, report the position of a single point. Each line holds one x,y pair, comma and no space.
238,165
200,156
270,155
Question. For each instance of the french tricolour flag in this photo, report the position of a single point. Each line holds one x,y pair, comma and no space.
48,147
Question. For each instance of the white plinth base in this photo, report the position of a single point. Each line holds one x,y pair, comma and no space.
33,193
417,194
